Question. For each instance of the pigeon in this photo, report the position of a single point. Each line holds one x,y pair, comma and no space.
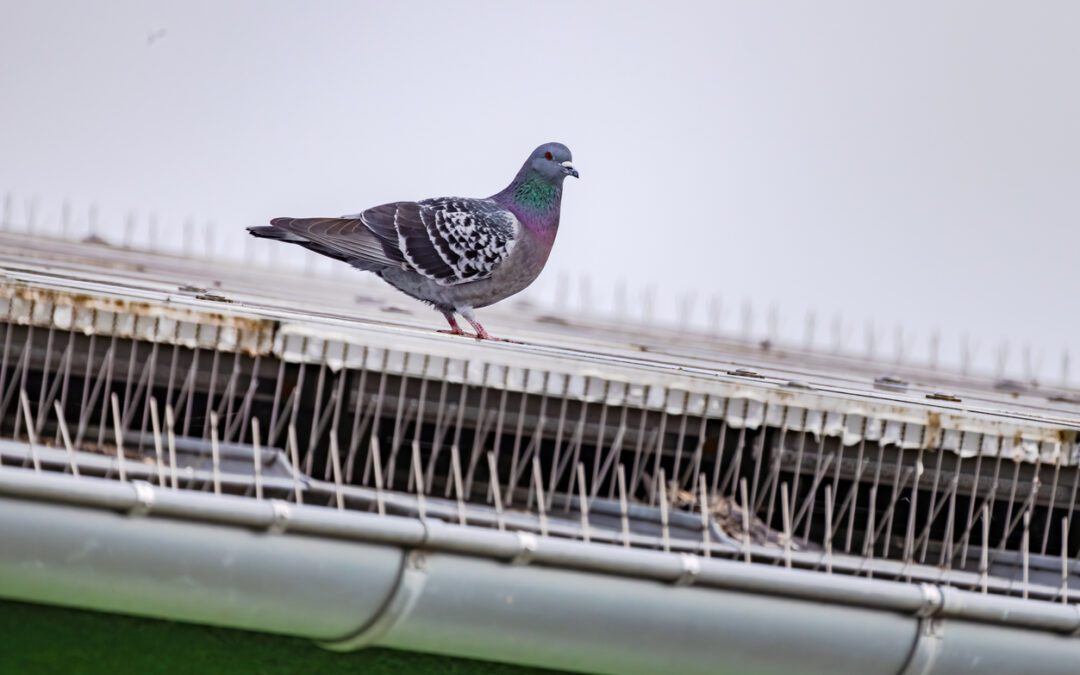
456,254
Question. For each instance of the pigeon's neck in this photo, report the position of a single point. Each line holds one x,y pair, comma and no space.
535,201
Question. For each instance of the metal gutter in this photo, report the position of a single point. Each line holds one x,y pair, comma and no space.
351,579
399,504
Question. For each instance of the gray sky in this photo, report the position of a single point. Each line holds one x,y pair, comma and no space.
914,163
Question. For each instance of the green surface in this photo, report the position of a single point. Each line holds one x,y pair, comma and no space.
40,639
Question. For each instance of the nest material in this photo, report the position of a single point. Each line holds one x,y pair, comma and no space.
729,516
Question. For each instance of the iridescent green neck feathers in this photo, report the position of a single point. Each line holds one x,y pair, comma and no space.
537,194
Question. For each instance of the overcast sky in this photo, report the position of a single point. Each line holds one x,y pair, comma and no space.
914,163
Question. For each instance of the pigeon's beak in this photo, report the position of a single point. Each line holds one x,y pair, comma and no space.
569,170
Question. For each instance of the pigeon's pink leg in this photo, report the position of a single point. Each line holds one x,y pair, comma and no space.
455,329
470,316
481,334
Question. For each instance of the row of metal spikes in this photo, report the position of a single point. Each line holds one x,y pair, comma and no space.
367,418
167,475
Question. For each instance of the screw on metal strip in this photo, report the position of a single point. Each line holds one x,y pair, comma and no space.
282,512
144,498
691,567
529,545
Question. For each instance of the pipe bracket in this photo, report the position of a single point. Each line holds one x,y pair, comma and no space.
281,513
529,546
144,498
691,567
929,633
406,591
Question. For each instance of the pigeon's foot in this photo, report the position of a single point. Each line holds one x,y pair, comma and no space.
455,331
482,334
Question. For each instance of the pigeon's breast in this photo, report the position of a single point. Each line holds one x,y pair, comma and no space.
521,267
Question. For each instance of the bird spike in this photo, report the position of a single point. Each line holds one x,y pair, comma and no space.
585,303
1001,359
215,451
703,509
155,426
119,433
686,309
5,216
538,485
24,403
31,206
1025,547
786,517
745,508
208,240
716,314
747,319
1065,560
92,219
620,299
418,477
62,424
188,242
291,445
583,501
662,491
828,528
808,330
129,230
493,480
837,334
624,516
459,494
170,436
65,219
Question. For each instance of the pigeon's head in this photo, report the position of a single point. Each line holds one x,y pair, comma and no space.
552,162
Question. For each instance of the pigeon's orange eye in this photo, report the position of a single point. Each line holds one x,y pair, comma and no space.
547,155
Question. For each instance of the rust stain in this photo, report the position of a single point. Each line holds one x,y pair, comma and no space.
249,330
933,430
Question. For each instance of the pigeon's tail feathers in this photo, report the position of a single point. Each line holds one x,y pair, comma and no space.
345,239
274,232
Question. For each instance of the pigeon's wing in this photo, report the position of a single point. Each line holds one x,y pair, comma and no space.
472,236
450,241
